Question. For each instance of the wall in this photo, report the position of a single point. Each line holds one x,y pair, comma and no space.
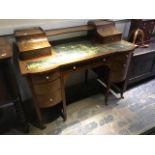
8,26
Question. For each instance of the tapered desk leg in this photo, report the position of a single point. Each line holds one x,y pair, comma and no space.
63,97
124,87
108,84
39,116
107,93
37,108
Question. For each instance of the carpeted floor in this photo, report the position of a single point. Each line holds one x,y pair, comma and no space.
132,115
87,114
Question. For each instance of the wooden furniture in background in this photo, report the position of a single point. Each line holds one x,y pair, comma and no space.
146,26
8,87
46,75
142,64
143,61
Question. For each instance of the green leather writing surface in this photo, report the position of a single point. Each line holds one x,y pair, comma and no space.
69,52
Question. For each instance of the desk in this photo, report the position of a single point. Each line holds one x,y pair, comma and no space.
46,75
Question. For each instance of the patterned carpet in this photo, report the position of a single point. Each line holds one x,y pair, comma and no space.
133,115
87,114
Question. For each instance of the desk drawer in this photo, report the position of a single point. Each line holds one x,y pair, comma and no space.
111,39
50,99
82,65
45,77
117,64
48,87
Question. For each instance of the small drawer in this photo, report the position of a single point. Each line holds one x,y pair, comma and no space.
45,77
83,65
50,99
48,87
110,39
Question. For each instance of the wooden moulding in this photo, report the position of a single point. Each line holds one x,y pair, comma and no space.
32,43
105,31
5,48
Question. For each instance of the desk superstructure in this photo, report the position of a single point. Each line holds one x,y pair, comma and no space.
46,74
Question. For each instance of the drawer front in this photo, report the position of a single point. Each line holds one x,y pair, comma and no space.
83,65
118,65
50,99
48,87
45,77
112,38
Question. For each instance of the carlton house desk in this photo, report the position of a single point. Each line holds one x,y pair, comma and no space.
47,65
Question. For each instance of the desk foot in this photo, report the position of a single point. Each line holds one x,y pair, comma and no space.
64,115
41,126
122,97
64,118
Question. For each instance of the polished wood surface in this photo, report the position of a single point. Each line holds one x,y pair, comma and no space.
60,60
28,32
45,77
5,48
49,99
105,31
32,43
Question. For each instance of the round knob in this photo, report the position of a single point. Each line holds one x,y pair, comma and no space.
74,67
50,99
47,77
126,56
104,59
3,54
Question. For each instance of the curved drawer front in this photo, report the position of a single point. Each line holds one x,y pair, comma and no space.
50,99
48,87
82,65
45,77
119,67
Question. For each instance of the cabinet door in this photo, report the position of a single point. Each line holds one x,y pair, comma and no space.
142,66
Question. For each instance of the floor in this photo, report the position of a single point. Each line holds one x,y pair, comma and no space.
134,114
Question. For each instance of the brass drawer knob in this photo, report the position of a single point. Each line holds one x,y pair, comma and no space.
74,67
104,59
47,77
51,100
3,54
127,56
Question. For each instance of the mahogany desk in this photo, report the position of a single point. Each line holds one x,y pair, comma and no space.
46,75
